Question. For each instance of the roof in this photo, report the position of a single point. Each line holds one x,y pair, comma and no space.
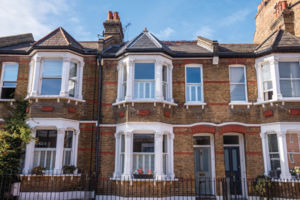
236,49
18,47
279,40
58,37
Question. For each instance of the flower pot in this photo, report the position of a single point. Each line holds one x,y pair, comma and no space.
297,176
142,176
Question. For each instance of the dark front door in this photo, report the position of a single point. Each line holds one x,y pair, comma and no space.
233,169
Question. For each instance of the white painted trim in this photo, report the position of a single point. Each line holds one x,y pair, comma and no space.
201,84
113,197
144,101
1,78
242,157
56,195
212,156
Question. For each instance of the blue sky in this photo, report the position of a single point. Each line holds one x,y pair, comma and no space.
228,21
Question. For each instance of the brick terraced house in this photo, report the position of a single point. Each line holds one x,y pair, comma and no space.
198,109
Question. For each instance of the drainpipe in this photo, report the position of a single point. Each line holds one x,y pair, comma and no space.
98,128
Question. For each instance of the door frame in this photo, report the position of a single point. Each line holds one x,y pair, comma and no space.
242,157
212,156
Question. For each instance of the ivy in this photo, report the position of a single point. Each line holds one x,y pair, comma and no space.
14,135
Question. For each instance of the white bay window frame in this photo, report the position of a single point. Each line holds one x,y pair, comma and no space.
125,169
273,60
35,75
129,62
62,126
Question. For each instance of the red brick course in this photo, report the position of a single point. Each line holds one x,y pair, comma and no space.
268,113
143,112
47,108
72,110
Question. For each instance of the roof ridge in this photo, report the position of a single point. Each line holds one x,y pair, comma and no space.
45,37
266,40
275,38
64,36
154,39
64,31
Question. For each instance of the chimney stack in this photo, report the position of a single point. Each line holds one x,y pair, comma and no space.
116,16
110,15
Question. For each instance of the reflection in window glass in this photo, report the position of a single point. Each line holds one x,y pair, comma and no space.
267,81
201,140
10,75
72,79
272,141
143,142
289,73
237,84
226,153
234,160
51,77
46,139
193,84
231,139
144,80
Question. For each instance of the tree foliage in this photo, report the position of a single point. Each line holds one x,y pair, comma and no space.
14,135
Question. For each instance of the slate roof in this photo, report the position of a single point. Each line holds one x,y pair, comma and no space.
58,38
279,40
18,47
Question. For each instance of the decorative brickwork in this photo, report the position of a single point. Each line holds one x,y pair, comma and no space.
144,112
294,111
166,113
268,113
121,114
47,108
72,110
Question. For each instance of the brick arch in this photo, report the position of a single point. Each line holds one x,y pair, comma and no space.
203,129
233,128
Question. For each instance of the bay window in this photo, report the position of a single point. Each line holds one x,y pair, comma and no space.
9,80
267,84
238,84
68,144
124,82
144,80
273,152
193,84
165,82
51,77
45,149
289,73
73,79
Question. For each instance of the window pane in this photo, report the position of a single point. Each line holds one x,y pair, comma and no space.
234,160
237,74
201,140
71,88
68,139
8,93
188,98
144,71
226,153
199,93
51,86
165,73
143,161
10,84
193,75
46,139
125,74
122,143
143,143
193,93
290,88
165,91
266,72
289,70
237,92
136,90
10,72
205,160
268,85
165,144
52,68
73,70
275,164
231,139
272,141
197,159
268,95
165,163
142,90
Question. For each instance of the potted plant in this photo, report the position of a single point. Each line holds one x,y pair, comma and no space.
139,174
262,185
38,170
297,170
69,169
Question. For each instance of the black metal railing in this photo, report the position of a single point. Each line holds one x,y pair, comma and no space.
79,185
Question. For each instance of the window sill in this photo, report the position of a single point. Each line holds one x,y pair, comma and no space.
8,100
145,101
144,180
277,101
194,104
36,98
57,175
239,103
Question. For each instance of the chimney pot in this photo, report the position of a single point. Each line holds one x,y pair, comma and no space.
110,15
116,16
145,30
284,5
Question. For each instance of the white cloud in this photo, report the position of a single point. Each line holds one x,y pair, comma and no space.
164,34
235,17
30,16
205,31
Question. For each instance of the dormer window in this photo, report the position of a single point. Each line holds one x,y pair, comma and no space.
144,80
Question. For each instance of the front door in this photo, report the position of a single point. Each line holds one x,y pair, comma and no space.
233,169
203,171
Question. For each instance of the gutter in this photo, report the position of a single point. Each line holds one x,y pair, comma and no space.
98,126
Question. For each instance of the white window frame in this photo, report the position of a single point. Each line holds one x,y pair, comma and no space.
35,75
144,81
246,85
274,60
124,83
165,84
129,61
2,75
76,92
270,153
291,157
196,84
